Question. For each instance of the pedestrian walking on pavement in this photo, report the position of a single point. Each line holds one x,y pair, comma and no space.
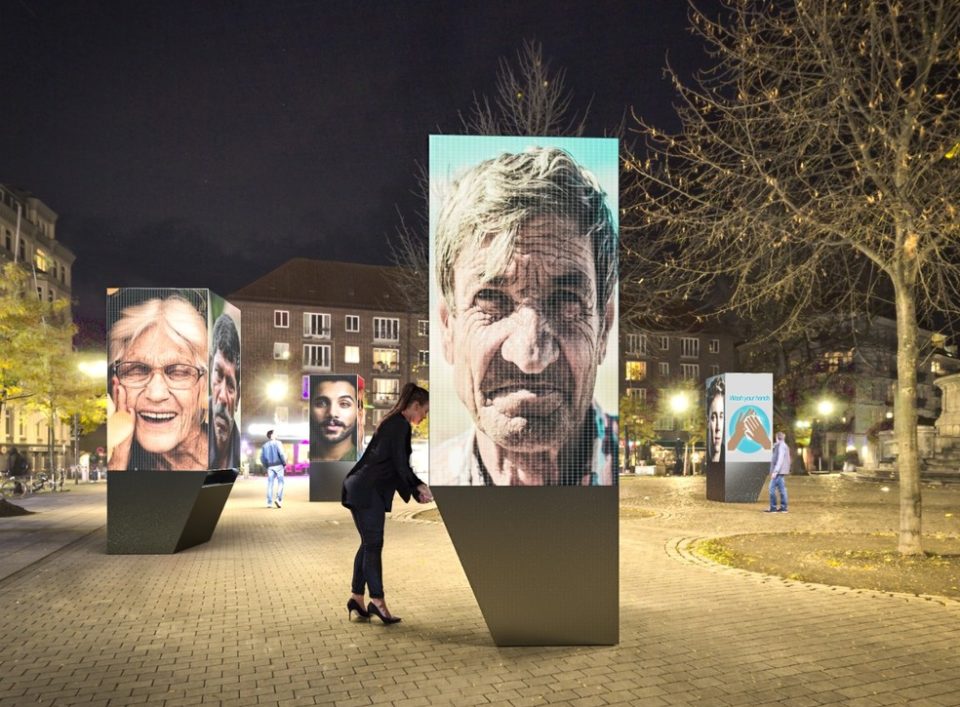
383,470
273,458
779,468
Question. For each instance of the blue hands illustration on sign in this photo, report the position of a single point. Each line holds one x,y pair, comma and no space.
749,430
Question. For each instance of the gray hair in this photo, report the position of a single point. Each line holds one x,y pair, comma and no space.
489,204
174,315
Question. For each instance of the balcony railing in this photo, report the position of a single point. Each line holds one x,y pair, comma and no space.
384,367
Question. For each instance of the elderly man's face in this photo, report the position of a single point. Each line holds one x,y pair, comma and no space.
334,409
163,417
224,382
526,344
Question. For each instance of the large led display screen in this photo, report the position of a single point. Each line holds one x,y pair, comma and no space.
336,417
173,380
748,422
523,308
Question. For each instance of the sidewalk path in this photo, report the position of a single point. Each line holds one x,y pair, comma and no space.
257,617
59,519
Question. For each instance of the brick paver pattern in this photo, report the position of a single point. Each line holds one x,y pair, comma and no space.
257,617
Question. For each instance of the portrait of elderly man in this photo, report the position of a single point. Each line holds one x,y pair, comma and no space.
158,386
336,414
525,261
224,394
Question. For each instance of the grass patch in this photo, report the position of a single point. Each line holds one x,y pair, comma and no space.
860,561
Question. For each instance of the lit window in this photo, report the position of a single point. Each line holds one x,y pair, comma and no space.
281,350
351,354
386,360
636,370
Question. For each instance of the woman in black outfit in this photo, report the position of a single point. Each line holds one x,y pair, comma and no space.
384,469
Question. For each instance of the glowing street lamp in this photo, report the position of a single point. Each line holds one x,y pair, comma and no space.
276,390
825,407
679,403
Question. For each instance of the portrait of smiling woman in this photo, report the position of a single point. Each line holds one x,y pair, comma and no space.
158,384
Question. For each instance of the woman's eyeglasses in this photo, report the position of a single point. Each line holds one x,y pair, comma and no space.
177,376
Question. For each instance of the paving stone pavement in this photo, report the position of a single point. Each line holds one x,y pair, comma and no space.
257,617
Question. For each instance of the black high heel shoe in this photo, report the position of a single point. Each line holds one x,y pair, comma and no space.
354,606
374,610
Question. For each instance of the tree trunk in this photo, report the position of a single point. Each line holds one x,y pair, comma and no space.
905,422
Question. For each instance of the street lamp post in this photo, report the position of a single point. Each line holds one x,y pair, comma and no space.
679,404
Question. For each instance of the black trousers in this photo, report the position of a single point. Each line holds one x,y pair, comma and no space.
367,565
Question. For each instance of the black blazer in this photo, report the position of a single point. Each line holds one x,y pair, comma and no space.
384,468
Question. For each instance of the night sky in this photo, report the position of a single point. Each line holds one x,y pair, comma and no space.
204,142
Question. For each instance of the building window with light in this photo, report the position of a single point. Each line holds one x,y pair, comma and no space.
690,371
386,360
636,370
351,323
40,260
689,347
316,325
385,391
316,356
281,319
351,354
281,350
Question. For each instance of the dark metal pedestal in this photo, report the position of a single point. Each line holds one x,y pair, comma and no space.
543,562
326,480
162,512
736,482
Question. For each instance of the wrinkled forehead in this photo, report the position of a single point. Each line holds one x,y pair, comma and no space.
543,247
157,344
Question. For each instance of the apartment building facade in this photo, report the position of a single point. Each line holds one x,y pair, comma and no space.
654,364
28,237
315,316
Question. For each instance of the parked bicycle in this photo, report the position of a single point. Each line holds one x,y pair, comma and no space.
19,486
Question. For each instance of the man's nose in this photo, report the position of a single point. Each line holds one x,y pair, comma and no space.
531,345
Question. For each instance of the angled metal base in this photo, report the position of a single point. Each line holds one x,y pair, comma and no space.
543,563
736,482
162,512
326,480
